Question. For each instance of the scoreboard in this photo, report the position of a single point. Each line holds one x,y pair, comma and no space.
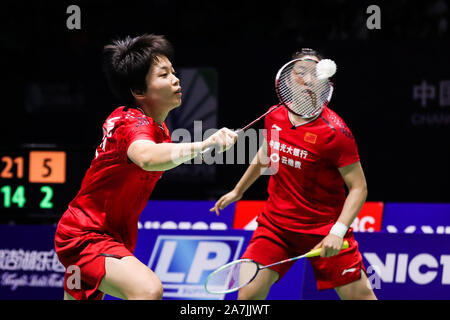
38,182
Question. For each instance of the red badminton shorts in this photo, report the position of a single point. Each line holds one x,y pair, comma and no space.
270,244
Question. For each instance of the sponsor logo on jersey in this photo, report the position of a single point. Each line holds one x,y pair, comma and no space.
310,137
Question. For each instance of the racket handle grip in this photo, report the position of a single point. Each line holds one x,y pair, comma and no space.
206,150
209,148
345,244
316,252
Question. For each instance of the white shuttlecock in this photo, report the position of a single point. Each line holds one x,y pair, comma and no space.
325,69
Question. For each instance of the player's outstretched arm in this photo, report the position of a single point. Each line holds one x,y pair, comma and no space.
152,156
254,170
355,180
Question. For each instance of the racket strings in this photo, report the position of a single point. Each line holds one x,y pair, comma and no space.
300,89
232,276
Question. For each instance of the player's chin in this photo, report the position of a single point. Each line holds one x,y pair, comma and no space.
176,103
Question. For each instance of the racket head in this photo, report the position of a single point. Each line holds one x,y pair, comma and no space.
301,90
231,276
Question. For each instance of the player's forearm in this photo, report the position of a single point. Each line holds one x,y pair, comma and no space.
166,156
253,172
353,204
152,156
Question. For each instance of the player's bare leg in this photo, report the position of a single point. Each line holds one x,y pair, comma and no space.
68,296
357,290
259,288
128,278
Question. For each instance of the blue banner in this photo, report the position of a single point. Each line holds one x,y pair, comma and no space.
185,215
399,266
426,218
183,260
29,266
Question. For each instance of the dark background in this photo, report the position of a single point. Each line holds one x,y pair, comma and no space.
246,42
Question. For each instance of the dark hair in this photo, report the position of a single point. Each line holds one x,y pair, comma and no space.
307,52
126,63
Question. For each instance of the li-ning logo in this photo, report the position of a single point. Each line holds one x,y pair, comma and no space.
348,271
274,126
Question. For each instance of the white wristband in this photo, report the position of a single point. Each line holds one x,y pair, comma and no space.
339,229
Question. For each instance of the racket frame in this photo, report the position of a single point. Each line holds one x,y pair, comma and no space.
309,254
282,102
226,266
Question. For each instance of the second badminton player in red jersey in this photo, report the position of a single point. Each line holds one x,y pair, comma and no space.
98,232
311,162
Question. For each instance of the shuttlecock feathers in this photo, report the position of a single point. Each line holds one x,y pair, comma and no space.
325,69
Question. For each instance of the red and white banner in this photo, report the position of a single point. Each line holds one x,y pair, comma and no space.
368,220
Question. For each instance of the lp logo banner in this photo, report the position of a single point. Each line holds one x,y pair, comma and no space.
184,262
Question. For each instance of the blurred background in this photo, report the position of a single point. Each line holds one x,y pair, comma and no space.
392,88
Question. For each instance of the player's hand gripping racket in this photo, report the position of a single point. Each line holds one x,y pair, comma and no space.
302,86
239,273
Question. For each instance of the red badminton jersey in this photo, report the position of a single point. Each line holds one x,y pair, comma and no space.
307,192
114,190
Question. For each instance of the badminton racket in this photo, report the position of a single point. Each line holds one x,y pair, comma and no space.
303,86
239,273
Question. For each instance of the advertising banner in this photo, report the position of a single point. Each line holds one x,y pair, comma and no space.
429,218
399,267
29,267
369,218
182,242
183,260
185,215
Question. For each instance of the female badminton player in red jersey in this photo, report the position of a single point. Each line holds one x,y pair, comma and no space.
307,206
98,232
